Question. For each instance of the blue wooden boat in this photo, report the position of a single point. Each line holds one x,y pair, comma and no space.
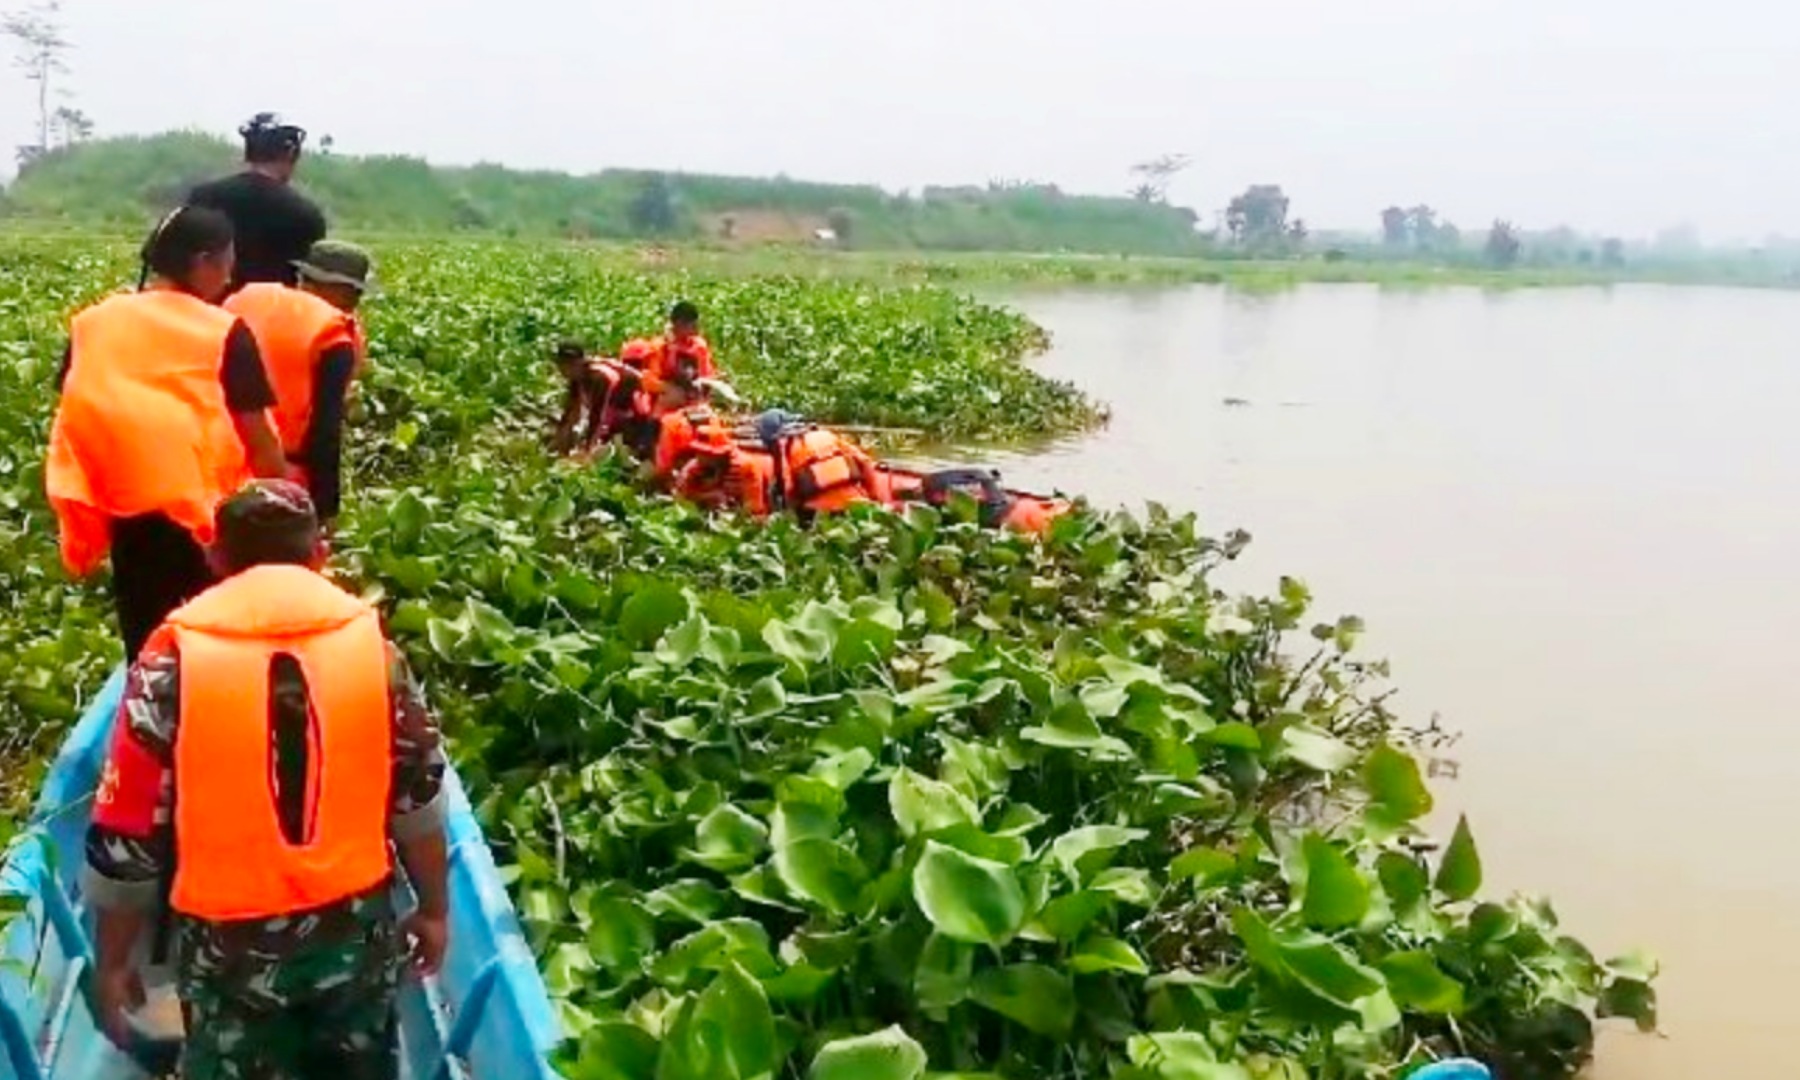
486,1016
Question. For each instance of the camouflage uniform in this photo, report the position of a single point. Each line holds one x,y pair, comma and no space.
292,998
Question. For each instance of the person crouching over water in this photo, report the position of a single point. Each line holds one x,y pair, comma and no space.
817,469
270,753
684,413
720,474
605,397
313,346
162,415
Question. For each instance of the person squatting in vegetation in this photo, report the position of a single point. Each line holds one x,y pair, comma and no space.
270,746
162,414
818,470
276,225
680,353
605,397
312,346
721,474
684,414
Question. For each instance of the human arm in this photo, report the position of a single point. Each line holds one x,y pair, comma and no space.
417,814
130,837
249,396
323,454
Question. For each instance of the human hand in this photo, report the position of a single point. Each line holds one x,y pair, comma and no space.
426,937
121,991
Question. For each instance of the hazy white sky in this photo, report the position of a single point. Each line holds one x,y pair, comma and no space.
1618,115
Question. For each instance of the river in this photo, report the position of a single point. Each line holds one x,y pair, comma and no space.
1569,518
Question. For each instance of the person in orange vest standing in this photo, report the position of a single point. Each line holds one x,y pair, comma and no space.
312,346
270,752
162,415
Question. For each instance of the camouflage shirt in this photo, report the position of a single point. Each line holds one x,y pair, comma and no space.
130,843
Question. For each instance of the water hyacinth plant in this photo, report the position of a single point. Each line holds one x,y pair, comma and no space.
887,797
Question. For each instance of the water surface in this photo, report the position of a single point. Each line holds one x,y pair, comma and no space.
1569,518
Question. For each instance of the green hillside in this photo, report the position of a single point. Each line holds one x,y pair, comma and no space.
128,180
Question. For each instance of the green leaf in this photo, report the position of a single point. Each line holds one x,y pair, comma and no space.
620,933
1396,790
734,1011
651,609
1459,875
1632,999
801,821
617,1050
728,840
1307,960
1404,879
889,1054
843,770
1180,1055
1071,728
679,646
1037,998
969,899
1129,884
935,697
1235,734
1336,894
1316,749
1104,699
1067,918
687,901
728,1033
1086,850
796,644
1489,923
823,873
922,806
1202,863
1417,983
767,697
1098,954
945,968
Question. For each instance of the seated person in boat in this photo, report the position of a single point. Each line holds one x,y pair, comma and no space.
270,747
720,474
605,393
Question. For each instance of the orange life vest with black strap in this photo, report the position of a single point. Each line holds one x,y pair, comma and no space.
821,471
679,431
666,355
233,861
294,329
142,426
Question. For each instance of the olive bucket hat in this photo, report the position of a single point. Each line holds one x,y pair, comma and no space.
338,262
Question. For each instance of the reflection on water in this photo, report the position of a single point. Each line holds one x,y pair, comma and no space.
1568,517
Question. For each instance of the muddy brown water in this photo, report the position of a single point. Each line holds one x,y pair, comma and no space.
1569,518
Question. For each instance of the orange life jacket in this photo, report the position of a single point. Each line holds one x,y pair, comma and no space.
293,329
233,861
822,471
679,431
142,426
666,356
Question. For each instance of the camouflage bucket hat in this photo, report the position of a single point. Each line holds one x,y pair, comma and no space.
338,262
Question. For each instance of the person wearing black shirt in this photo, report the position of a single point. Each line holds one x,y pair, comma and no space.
275,225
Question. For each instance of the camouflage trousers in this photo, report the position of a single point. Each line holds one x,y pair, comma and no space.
291,1006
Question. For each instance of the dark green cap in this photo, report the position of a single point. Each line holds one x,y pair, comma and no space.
339,262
